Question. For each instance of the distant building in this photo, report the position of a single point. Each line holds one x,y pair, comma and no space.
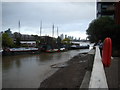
25,37
42,40
28,40
65,36
69,37
28,43
46,40
72,37
62,36
25,40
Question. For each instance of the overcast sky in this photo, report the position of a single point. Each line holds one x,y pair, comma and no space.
71,18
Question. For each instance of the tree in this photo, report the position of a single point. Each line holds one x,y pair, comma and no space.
66,41
104,27
101,28
7,41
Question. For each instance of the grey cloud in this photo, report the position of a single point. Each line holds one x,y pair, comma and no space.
61,14
49,12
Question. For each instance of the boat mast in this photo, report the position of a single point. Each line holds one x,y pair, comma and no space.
53,30
40,27
19,26
57,32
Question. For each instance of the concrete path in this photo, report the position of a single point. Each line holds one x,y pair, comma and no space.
113,73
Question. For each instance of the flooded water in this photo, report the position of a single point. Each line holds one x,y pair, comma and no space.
28,71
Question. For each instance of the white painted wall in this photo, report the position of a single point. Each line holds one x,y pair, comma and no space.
98,78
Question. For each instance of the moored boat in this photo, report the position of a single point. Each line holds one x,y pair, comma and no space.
79,46
52,50
22,49
16,51
62,49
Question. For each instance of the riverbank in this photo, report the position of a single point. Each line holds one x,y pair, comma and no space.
70,76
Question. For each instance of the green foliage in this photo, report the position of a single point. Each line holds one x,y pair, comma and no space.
66,41
104,27
101,28
7,41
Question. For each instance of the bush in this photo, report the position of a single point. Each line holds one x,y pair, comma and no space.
104,27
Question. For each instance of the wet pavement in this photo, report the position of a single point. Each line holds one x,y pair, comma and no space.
113,73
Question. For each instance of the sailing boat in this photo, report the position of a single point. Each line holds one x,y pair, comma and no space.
52,49
55,47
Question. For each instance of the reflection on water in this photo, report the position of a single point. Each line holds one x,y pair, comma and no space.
27,71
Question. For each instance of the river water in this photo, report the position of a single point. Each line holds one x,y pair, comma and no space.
28,71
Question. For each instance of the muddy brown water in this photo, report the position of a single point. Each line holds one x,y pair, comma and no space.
28,71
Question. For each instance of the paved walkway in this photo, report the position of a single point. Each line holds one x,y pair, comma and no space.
113,73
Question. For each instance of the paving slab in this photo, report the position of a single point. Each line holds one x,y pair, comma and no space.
113,73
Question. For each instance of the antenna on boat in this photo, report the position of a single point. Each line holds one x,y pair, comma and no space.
40,27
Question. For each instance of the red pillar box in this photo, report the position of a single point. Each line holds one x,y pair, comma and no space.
107,52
